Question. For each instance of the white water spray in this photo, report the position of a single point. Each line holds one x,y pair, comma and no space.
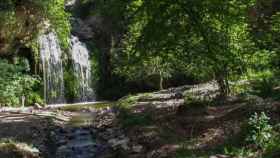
51,53
82,70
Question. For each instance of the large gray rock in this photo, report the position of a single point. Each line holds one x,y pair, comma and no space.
88,28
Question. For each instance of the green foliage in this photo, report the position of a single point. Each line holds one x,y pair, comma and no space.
96,67
130,118
266,34
260,131
127,117
59,18
148,39
151,66
128,101
200,40
207,40
34,97
273,147
137,59
22,20
239,152
260,76
71,85
264,87
14,84
263,139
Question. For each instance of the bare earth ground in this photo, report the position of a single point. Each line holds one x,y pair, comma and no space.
159,126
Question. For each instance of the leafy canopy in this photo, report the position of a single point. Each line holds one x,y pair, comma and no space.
20,21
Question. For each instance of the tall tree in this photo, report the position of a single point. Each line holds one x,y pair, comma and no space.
210,34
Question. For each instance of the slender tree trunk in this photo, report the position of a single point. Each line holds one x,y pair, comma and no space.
23,101
160,83
222,80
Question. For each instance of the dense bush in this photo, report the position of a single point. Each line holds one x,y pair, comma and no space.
259,139
260,131
16,83
71,85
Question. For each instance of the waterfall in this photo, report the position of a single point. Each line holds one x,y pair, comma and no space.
51,53
82,70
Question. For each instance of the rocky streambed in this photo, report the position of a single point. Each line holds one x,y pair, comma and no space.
84,131
75,132
79,137
77,143
150,125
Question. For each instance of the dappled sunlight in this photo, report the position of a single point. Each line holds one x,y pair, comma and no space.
139,79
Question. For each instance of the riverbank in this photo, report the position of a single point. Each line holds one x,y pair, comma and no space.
173,123
51,132
187,122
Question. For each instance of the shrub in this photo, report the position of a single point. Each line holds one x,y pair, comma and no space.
34,97
71,85
265,87
15,83
260,131
263,139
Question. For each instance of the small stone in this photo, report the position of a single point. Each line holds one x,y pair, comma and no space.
222,156
219,156
137,148
52,133
119,142
37,106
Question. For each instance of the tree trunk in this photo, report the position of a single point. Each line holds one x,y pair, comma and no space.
23,101
160,82
223,84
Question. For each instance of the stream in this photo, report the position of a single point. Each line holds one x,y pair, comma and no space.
61,131
77,138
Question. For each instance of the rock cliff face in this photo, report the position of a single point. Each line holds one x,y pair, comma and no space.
94,28
87,27
18,25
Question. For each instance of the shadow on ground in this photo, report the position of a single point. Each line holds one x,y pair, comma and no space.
167,127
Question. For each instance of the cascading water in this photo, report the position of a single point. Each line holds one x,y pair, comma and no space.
82,70
50,52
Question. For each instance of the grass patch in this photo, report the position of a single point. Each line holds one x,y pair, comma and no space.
130,119
186,153
266,88
264,84
128,101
